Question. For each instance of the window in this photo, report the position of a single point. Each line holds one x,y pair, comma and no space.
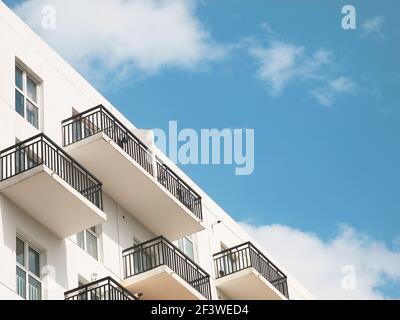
187,246
26,97
28,271
88,241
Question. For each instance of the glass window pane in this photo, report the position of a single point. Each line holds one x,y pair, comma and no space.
137,265
81,239
32,114
31,88
19,103
35,289
19,78
91,243
179,244
34,264
189,248
76,131
186,246
20,252
21,283
19,162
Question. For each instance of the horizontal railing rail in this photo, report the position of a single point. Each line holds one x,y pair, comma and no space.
104,289
40,150
160,251
99,119
245,256
179,189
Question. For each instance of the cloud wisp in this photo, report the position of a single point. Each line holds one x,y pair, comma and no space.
281,63
327,94
320,265
115,35
372,27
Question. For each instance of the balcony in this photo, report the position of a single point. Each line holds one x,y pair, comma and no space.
243,272
160,271
39,177
104,289
160,200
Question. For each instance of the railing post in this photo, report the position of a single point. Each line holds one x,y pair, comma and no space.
86,293
164,251
41,150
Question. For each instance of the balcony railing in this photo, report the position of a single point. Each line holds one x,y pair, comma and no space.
104,289
40,150
245,256
179,189
160,251
99,119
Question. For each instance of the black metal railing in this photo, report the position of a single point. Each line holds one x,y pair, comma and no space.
245,256
40,150
99,119
104,289
160,251
179,189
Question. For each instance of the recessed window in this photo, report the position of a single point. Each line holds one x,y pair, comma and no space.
28,280
187,246
26,96
88,241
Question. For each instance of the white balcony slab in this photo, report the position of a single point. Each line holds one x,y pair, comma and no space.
52,201
134,188
161,283
248,284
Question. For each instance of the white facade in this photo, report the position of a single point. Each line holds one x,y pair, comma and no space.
43,210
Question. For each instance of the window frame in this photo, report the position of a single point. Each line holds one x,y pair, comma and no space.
96,235
181,245
24,93
25,268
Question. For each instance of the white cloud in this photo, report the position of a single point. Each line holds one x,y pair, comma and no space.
282,62
318,264
373,26
125,34
327,94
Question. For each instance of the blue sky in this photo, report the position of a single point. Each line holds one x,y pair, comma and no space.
327,133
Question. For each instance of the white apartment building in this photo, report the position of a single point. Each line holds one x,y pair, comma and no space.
91,209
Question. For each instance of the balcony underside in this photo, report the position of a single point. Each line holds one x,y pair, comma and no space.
134,188
248,284
161,283
52,201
